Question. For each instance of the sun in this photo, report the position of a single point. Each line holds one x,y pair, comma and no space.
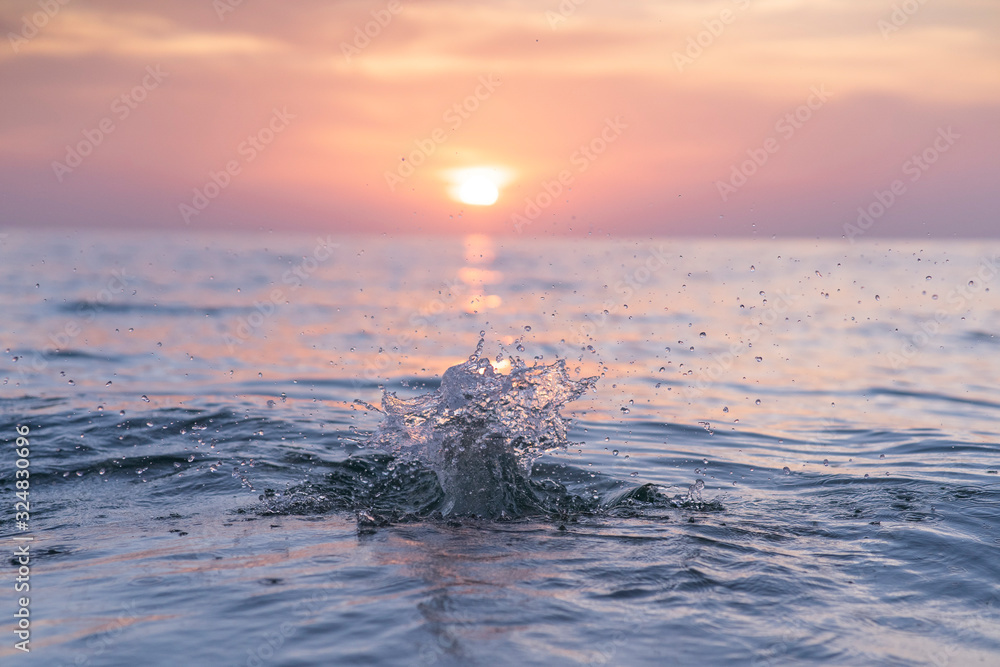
477,186
478,190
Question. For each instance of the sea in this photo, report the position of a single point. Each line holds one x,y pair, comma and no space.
291,449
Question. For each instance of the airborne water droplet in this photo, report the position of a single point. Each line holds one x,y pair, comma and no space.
145,399
786,470
757,402
614,452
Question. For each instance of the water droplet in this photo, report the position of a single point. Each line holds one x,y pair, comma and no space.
826,462
877,298
726,409
881,456
614,452
527,327
101,471
520,348
702,335
757,402
145,399
927,278
866,475
753,268
108,384
786,470
758,359
625,410
190,458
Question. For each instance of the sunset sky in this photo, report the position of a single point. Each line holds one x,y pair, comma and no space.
733,118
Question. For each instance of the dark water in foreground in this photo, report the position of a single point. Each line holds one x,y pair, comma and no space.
204,491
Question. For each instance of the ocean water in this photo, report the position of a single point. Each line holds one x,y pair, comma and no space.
691,452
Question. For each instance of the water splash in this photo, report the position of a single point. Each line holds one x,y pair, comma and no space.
470,449
482,431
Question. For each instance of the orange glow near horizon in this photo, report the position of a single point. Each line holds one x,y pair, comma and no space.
578,118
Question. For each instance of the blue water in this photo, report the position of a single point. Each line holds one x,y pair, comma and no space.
203,489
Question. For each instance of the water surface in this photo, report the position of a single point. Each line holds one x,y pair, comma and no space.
204,489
